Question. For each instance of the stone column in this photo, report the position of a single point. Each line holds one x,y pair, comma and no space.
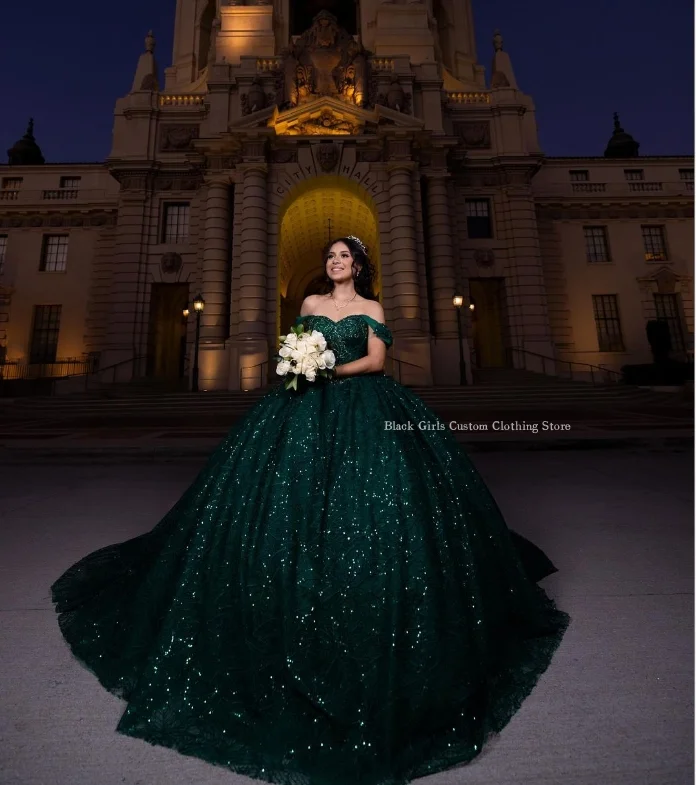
442,280
254,251
526,297
216,260
126,328
249,347
440,256
402,284
403,255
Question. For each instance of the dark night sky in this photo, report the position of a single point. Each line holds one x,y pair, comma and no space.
65,63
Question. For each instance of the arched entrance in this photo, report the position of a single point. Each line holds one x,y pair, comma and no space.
316,211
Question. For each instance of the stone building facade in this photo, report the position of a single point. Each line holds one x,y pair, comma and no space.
280,125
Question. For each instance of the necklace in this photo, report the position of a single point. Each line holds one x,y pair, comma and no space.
338,307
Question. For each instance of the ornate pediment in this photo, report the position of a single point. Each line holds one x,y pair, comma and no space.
331,117
663,280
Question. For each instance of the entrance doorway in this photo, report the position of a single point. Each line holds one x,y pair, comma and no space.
318,210
487,323
166,345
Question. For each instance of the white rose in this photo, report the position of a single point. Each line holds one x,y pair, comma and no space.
283,367
329,358
308,364
285,351
291,340
311,374
318,340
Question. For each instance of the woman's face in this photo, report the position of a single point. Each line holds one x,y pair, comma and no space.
339,263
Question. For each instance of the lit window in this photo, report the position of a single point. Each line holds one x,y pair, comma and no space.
175,227
54,255
11,183
634,174
44,334
71,183
654,243
607,322
478,218
596,244
667,309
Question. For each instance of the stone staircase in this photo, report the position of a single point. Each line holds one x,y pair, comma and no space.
499,390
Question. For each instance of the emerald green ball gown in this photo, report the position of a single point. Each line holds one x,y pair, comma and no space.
329,602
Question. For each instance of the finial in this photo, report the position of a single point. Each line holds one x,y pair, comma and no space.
621,144
150,42
497,41
26,152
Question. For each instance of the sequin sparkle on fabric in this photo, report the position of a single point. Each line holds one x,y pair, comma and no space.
329,602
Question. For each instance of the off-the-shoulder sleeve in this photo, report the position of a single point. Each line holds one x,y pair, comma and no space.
380,330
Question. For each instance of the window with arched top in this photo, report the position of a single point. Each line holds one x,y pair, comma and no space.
205,27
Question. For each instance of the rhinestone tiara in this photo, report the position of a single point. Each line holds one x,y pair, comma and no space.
359,242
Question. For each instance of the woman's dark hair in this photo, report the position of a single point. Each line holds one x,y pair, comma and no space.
364,272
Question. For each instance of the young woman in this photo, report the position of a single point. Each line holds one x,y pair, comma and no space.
334,600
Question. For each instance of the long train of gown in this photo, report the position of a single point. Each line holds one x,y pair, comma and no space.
329,602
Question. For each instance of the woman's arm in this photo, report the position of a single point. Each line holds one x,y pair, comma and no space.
373,361
308,305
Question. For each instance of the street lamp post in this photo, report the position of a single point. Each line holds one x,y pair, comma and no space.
198,306
458,301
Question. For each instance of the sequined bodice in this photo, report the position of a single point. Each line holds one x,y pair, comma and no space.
347,337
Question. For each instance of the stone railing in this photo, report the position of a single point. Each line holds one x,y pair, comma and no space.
468,98
382,64
61,193
27,196
182,101
643,186
618,189
264,64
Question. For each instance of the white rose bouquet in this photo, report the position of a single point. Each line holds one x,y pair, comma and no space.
305,354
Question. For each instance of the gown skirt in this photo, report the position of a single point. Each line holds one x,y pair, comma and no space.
332,601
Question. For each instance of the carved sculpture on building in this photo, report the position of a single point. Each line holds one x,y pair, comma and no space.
170,263
322,123
327,156
255,98
324,61
475,135
174,137
392,96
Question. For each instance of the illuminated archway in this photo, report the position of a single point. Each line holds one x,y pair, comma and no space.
317,210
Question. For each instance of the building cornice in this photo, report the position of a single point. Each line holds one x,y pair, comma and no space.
29,169
619,162
559,211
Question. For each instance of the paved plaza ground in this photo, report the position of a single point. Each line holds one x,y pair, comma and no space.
614,708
